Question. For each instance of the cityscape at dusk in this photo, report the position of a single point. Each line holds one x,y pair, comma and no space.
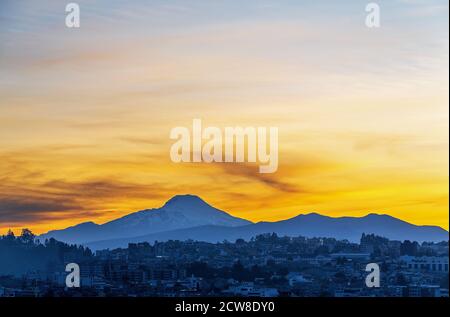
207,156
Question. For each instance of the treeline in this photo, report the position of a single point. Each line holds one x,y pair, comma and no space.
25,253
406,247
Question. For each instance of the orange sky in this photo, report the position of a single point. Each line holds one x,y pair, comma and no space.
85,114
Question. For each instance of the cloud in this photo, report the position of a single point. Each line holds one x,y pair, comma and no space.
142,140
103,189
391,143
250,172
19,209
62,199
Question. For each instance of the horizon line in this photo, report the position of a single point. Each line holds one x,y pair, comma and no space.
251,222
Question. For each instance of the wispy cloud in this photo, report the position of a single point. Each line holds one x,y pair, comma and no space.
250,173
85,114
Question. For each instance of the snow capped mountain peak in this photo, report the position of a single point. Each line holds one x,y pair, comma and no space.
195,210
183,202
179,212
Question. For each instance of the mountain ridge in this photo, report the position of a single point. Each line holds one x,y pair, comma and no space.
214,234
190,217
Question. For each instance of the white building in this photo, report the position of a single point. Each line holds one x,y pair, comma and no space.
352,256
248,289
426,263
295,278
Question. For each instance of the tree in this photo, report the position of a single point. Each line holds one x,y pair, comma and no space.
409,248
340,277
238,271
27,236
283,271
401,279
10,235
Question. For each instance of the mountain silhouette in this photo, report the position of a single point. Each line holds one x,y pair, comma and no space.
186,217
181,211
309,225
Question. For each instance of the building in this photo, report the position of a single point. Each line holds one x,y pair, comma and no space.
426,263
352,256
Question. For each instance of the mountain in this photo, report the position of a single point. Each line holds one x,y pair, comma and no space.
310,225
186,217
182,211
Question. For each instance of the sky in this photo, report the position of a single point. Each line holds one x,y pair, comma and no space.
86,113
